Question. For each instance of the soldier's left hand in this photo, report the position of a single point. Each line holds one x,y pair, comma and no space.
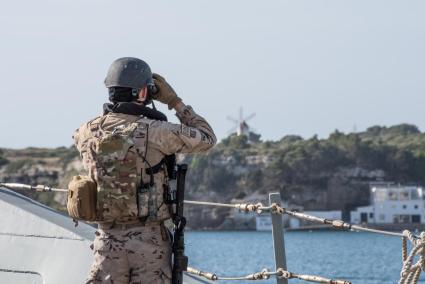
166,93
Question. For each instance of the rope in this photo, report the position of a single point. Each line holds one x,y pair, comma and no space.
339,224
276,209
39,188
265,274
410,272
245,207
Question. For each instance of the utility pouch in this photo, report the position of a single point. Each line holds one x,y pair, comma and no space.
169,192
143,200
82,195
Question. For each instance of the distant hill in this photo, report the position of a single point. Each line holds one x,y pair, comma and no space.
318,174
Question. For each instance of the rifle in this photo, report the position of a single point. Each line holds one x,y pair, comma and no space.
179,259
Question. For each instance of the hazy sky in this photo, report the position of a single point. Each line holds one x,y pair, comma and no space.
304,67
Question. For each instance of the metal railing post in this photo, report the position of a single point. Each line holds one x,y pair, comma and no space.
278,239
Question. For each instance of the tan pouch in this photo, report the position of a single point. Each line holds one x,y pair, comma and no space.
82,195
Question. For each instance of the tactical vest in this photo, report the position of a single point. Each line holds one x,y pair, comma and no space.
115,154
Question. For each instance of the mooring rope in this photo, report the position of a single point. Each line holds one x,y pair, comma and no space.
265,274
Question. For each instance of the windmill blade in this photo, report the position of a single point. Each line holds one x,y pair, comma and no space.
232,119
251,116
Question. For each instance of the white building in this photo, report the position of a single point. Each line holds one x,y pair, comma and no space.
263,222
391,203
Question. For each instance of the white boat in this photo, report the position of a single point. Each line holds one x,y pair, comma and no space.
39,245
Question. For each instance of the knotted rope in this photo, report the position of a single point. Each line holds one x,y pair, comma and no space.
243,207
411,271
265,274
277,209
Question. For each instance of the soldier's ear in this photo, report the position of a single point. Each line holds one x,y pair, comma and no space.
143,94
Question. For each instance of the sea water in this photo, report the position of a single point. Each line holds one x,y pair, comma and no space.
357,257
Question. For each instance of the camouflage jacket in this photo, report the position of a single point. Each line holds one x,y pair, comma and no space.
122,173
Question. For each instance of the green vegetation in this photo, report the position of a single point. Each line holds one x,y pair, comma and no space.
15,166
3,160
299,167
31,152
319,174
68,155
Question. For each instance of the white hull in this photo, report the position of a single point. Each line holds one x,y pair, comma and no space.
41,246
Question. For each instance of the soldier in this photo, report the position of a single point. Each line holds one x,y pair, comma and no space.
124,152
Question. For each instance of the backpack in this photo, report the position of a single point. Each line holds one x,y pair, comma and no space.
115,153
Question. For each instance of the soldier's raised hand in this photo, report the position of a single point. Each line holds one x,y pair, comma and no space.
165,93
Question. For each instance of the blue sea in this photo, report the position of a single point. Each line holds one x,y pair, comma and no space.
357,257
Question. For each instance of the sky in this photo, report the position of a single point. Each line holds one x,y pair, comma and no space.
303,67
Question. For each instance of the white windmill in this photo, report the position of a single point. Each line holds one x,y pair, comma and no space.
241,126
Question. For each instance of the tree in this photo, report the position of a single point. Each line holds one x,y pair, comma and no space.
3,160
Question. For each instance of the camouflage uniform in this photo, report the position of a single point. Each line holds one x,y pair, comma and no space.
127,250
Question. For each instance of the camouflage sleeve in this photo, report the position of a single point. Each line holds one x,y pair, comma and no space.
194,135
82,135
81,142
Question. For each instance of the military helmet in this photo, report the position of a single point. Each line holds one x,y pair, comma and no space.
129,72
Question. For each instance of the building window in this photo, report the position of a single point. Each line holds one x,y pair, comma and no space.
363,217
416,206
401,219
392,195
404,195
404,218
371,215
416,193
416,218
404,206
380,195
